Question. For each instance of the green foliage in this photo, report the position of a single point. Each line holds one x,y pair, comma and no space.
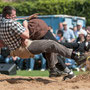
50,7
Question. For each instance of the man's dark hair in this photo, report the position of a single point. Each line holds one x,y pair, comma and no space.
7,10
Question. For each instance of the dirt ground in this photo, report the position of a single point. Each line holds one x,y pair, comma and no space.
81,82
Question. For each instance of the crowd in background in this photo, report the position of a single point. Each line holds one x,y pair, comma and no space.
77,34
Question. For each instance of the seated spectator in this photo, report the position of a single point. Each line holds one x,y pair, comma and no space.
51,30
81,38
4,54
9,60
1,59
79,28
37,57
88,37
59,36
6,58
74,29
17,60
70,63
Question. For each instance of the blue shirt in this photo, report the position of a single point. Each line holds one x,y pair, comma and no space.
68,35
71,61
57,37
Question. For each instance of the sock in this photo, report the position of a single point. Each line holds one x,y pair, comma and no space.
71,72
67,70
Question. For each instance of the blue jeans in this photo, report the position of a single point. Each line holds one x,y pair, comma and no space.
19,62
72,63
27,63
37,57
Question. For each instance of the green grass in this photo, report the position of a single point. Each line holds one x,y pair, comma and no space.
78,73
32,73
38,73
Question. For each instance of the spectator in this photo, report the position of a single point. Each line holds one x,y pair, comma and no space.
4,54
75,31
6,58
88,37
38,57
18,61
51,30
81,38
1,59
68,34
59,36
79,28
9,59
61,26
71,64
